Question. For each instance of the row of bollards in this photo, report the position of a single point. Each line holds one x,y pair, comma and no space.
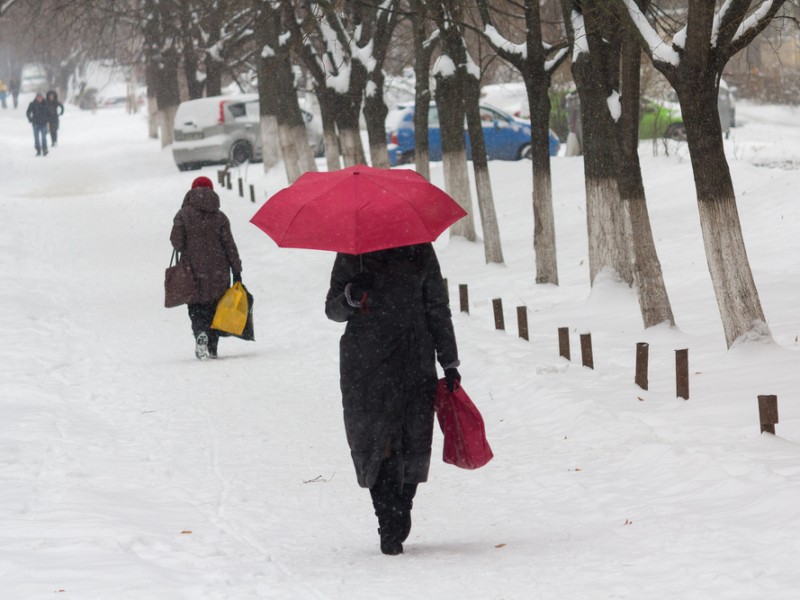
767,404
224,179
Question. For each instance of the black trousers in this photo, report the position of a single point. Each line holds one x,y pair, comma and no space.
201,316
392,500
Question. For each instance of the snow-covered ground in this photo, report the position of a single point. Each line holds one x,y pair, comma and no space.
128,469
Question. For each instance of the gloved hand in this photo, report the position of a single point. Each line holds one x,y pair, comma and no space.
361,284
452,378
237,278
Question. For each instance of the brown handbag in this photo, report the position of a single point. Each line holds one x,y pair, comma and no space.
179,284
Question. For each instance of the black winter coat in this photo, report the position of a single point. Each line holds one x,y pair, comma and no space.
387,357
55,108
203,234
38,113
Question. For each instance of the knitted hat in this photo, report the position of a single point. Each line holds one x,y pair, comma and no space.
202,182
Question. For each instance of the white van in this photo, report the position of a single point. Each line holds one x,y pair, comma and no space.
224,130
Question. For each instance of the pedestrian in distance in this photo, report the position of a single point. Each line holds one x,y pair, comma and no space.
13,86
39,116
3,93
399,324
202,234
56,109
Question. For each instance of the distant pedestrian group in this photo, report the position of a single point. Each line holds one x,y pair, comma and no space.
44,113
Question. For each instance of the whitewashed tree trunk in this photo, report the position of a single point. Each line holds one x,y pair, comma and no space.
166,124
289,151
608,229
152,117
305,155
270,141
544,231
352,148
456,183
492,247
480,167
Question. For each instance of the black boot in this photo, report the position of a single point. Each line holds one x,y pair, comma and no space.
406,503
386,500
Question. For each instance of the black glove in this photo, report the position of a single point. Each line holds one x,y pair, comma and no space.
452,377
361,284
237,278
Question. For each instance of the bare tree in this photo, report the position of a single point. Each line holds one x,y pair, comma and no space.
282,122
595,49
448,72
693,61
536,62
425,41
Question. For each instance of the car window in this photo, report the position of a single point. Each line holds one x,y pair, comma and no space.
237,110
488,115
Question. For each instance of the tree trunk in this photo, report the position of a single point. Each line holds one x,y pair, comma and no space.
454,150
166,123
422,90
330,136
270,141
375,112
607,222
734,287
213,63
544,227
648,279
480,167
190,62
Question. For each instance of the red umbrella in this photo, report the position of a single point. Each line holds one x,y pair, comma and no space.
356,210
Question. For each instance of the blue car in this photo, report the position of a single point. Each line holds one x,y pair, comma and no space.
507,138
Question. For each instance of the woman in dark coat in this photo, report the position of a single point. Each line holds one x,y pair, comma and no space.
398,324
55,110
202,234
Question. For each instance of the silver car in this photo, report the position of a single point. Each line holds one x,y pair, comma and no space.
225,130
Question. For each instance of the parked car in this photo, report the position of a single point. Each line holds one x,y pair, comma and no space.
507,138
660,119
225,130
32,78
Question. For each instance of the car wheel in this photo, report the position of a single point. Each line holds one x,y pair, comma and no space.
525,152
240,152
676,131
407,158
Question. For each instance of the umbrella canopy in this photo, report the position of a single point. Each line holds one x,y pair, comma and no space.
356,210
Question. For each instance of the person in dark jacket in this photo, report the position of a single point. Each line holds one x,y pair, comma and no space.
398,324
39,116
56,109
202,234
13,86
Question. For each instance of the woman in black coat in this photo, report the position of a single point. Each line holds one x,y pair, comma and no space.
398,324
55,110
202,234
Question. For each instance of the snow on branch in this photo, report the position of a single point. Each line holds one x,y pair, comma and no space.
551,64
444,66
754,20
659,50
614,105
473,69
717,21
500,42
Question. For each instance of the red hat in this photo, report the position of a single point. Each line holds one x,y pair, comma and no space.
202,182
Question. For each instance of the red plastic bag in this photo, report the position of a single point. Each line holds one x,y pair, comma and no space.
465,443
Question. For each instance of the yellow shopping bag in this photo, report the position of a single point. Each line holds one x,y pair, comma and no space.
231,315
